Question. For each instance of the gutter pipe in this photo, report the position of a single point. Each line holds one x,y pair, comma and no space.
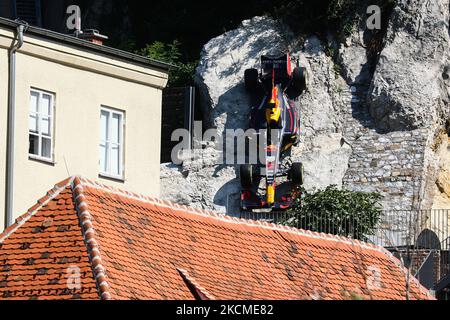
9,194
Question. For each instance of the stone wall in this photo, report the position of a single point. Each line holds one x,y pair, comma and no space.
391,164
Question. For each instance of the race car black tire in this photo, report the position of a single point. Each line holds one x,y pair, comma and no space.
299,82
297,174
251,80
246,175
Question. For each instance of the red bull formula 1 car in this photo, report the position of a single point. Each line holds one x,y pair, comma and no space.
276,120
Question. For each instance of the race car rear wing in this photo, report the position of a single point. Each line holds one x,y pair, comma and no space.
276,68
280,64
268,63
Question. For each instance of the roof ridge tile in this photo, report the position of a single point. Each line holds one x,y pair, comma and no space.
86,222
52,194
407,272
197,287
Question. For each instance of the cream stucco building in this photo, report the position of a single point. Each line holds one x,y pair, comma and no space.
79,109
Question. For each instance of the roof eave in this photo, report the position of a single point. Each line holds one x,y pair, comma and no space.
83,44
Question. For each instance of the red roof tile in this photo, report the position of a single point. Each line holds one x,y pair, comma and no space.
88,241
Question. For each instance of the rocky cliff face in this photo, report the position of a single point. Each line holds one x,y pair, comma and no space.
364,130
227,106
411,85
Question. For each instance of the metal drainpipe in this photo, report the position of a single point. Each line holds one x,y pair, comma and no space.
17,44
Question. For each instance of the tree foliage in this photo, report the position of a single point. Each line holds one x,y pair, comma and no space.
158,50
335,211
181,74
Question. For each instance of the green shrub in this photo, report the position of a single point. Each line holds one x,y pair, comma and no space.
183,73
335,211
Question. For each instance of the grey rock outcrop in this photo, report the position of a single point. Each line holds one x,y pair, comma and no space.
362,131
226,106
352,56
322,151
410,88
222,65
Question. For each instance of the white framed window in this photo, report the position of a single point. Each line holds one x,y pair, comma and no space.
40,125
112,127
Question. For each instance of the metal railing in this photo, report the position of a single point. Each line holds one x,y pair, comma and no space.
421,229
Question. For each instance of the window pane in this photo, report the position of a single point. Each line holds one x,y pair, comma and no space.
33,120
34,145
110,147
46,148
45,127
46,105
103,157
115,160
104,126
34,98
40,124
115,128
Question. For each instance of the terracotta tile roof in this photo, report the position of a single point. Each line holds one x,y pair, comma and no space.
127,246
